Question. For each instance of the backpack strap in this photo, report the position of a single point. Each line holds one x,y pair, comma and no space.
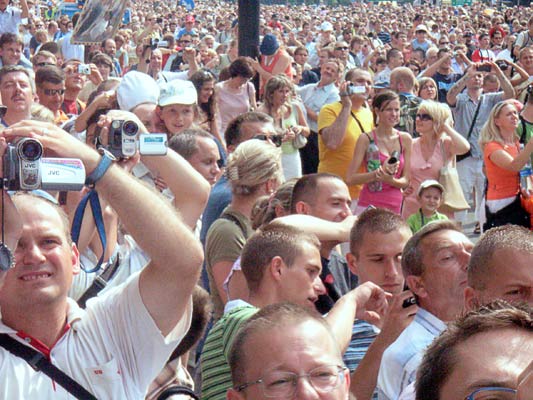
40,363
235,220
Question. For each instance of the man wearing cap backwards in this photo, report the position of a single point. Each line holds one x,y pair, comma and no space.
274,61
421,41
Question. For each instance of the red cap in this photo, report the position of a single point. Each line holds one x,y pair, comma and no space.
189,18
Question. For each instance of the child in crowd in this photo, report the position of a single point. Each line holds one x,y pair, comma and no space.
430,196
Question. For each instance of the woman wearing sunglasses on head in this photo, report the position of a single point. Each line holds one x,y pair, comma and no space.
438,143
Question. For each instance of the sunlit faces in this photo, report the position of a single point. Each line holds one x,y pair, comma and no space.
51,95
10,53
177,117
149,117
73,79
378,259
332,201
362,78
329,72
16,91
208,88
45,260
105,70
428,91
281,96
298,349
507,119
156,60
205,160
389,113
493,358
510,278
249,130
430,200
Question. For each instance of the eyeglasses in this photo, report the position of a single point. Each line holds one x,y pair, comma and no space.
281,384
275,139
341,48
444,43
424,117
492,393
43,64
53,92
185,41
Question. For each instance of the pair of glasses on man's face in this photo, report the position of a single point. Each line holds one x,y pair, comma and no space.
53,92
276,139
492,393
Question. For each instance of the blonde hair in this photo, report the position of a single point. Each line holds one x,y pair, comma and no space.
277,82
439,112
41,113
251,164
490,132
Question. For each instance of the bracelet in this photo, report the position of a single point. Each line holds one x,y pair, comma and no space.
102,167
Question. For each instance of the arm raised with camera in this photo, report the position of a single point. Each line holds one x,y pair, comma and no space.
176,256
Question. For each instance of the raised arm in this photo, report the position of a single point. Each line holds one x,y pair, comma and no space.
334,134
504,160
176,256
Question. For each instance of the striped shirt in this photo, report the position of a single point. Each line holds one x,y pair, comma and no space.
216,374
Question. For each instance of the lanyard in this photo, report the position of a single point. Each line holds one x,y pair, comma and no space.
358,122
91,197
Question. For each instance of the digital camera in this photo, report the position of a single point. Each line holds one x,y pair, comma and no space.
353,89
124,140
25,169
84,69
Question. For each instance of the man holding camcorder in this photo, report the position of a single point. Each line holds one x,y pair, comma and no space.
121,341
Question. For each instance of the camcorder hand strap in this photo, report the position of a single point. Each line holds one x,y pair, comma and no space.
39,363
100,282
91,197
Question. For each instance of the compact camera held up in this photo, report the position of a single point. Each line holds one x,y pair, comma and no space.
124,140
26,169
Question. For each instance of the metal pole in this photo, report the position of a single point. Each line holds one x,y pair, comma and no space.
249,28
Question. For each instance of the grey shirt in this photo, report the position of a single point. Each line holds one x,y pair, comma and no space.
464,111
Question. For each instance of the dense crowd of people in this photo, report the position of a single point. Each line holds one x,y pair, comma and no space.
286,225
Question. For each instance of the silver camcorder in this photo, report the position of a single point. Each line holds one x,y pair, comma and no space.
26,169
124,140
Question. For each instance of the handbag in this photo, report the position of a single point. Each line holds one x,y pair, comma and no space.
511,214
454,198
299,141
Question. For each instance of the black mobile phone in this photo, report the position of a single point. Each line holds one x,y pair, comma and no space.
484,68
409,301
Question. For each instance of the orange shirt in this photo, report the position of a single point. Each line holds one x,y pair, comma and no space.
502,183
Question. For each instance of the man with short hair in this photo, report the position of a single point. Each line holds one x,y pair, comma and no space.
341,51
442,72
524,39
16,93
109,47
74,83
315,96
290,343
340,124
11,17
50,88
11,47
42,59
402,81
377,240
434,265
93,347
483,53
500,267
421,41
394,60
485,354
188,28
200,150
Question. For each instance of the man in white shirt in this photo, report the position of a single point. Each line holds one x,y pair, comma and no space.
434,264
117,346
11,17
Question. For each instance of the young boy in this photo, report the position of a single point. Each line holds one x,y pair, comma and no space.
430,195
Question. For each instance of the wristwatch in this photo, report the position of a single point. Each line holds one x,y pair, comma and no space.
102,167
7,261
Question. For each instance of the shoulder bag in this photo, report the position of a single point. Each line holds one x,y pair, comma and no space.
453,197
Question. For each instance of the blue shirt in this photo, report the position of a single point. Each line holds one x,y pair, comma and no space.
401,359
219,198
316,97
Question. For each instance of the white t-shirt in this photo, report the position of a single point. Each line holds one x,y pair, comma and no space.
113,349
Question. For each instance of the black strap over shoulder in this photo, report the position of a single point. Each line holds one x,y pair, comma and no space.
100,282
171,391
40,363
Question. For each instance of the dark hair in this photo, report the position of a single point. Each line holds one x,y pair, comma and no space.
52,47
306,189
9,69
99,58
185,144
392,53
49,73
241,67
233,130
441,357
198,79
8,37
381,101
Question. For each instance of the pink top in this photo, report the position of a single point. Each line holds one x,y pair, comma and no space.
232,104
420,171
389,197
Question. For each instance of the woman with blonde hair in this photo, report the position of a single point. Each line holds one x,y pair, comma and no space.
289,119
437,145
253,170
503,160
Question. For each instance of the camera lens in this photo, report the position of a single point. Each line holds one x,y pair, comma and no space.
130,128
30,149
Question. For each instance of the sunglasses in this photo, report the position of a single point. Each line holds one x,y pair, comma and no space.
444,43
341,48
53,92
185,41
43,64
276,139
424,117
